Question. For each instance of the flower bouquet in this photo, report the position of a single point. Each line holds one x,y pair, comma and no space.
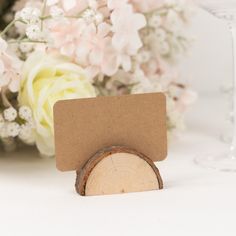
64,49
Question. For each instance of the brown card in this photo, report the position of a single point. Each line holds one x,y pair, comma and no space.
84,126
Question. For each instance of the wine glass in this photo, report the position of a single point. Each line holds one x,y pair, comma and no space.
224,10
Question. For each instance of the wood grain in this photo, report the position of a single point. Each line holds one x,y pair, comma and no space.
115,170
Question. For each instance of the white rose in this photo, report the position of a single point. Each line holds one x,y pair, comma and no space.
47,79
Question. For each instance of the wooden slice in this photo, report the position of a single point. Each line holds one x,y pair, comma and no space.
117,170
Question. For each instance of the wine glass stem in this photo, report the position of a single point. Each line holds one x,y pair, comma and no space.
232,27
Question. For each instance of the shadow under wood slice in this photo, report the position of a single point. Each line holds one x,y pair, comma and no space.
116,170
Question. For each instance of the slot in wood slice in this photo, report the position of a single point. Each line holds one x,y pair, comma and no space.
117,170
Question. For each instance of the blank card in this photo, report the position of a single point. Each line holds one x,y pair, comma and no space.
84,126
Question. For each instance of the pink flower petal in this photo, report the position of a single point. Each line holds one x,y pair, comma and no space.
118,41
3,45
114,4
4,81
14,85
2,67
67,50
110,65
126,63
51,2
82,54
139,21
103,29
69,4
95,57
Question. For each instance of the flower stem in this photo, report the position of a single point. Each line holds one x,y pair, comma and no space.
4,98
43,12
8,27
25,41
11,24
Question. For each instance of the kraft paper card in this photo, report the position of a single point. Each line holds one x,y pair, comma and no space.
84,126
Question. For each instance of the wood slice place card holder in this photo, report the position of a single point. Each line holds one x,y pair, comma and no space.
112,142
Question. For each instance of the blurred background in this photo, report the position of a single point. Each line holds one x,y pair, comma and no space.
208,64
206,73
211,39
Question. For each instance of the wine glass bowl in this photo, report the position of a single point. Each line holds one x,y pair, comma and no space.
224,10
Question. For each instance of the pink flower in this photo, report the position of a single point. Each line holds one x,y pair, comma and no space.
9,69
126,25
146,5
89,45
113,60
98,54
92,51
116,60
187,98
69,6
66,35
126,39
116,4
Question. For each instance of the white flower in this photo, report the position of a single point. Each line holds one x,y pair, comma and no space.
69,4
89,15
173,22
56,12
160,34
12,129
144,84
98,18
188,97
52,2
3,131
143,56
93,4
48,79
155,21
3,45
126,25
33,32
26,47
30,15
170,3
26,134
25,113
164,48
10,67
10,114
175,118
1,121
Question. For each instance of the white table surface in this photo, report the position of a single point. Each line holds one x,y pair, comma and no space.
36,199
